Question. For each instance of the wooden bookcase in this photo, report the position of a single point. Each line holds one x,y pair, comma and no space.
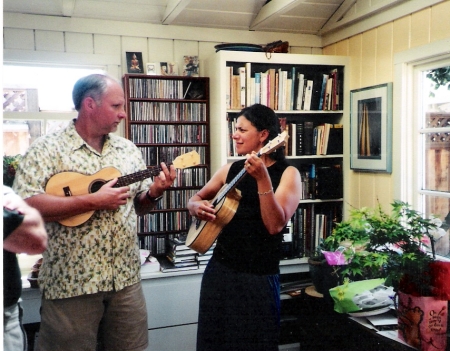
169,116
224,109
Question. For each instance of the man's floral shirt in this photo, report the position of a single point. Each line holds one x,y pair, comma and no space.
101,254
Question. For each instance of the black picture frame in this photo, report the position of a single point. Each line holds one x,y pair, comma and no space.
134,62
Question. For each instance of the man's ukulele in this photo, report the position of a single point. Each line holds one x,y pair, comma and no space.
73,183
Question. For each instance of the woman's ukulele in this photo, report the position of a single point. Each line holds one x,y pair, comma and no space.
202,234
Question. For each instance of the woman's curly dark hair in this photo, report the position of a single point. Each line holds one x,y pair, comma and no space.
263,117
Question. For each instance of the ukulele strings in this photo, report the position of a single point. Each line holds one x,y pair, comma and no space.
138,176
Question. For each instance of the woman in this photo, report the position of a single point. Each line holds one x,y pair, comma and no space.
240,297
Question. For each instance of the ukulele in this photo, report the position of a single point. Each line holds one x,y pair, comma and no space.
202,234
73,183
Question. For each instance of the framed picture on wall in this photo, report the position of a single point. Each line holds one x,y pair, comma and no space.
134,62
371,129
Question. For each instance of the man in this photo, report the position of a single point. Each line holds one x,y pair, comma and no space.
90,274
23,232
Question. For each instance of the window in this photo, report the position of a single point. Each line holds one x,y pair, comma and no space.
433,128
53,85
422,133
37,100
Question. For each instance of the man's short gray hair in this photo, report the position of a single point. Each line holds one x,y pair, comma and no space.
93,85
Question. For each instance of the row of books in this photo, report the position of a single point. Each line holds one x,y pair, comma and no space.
321,182
169,133
154,155
305,138
151,111
312,223
308,138
282,89
327,134
287,243
156,88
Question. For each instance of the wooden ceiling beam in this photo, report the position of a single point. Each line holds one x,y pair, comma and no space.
173,9
271,9
67,7
342,17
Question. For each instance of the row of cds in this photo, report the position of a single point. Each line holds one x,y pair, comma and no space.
156,244
154,155
190,177
165,221
151,111
156,88
168,134
175,199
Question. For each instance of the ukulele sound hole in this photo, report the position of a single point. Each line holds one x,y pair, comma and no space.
95,186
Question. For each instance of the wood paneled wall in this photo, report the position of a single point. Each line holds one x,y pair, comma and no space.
372,53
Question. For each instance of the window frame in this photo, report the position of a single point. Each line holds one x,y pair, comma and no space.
407,167
418,110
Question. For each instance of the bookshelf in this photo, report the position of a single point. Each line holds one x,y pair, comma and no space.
168,116
284,82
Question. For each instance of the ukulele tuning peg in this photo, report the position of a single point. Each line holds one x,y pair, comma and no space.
192,155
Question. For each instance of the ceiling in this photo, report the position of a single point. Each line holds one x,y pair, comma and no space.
287,16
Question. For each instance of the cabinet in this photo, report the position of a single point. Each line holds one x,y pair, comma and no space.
172,306
236,77
168,116
172,309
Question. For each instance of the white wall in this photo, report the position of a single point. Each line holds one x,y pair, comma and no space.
73,41
59,40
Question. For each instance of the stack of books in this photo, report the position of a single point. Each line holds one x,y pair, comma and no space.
203,259
179,257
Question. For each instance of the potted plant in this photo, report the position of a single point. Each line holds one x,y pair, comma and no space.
324,274
10,164
391,246
399,247
346,237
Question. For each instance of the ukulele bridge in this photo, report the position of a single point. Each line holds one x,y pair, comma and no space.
67,191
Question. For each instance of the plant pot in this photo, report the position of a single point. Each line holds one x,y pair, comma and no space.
332,278
317,272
